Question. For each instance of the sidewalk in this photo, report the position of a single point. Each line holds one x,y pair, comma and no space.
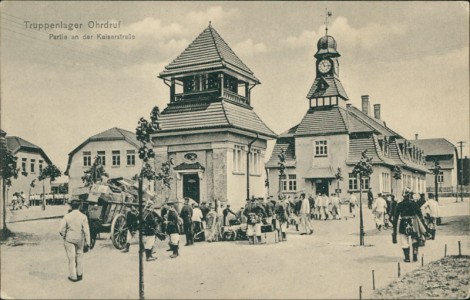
36,213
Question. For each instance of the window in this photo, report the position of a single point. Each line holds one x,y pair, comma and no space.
292,182
116,156
365,183
33,165
353,182
86,158
440,177
131,157
238,158
23,164
40,165
289,183
255,162
102,157
321,148
385,182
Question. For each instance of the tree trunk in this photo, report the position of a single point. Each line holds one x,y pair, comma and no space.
53,195
435,187
141,242
361,220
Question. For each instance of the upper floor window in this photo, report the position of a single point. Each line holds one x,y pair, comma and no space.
102,156
86,158
440,177
23,164
255,158
33,166
321,148
353,182
116,156
40,165
238,158
131,157
289,183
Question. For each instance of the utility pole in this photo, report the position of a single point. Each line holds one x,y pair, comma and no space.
461,169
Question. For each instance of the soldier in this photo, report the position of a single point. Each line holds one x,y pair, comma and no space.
173,228
379,207
254,212
370,198
304,214
225,213
269,211
205,210
407,218
187,215
335,206
132,223
149,230
352,205
432,208
282,210
311,201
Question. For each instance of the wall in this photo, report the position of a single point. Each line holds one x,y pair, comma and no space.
77,169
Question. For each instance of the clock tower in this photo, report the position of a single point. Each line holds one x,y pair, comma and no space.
327,89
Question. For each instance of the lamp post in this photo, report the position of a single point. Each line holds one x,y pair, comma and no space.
362,170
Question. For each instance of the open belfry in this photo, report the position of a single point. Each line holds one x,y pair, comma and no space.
209,126
333,134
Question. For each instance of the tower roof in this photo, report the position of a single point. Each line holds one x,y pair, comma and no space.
208,51
326,45
327,86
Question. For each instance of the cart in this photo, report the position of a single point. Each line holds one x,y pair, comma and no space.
106,206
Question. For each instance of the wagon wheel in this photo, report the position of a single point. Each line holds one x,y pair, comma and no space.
119,231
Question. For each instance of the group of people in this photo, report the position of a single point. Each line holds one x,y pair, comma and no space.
19,200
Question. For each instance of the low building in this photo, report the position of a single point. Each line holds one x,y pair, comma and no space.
118,150
333,134
445,153
31,160
209,128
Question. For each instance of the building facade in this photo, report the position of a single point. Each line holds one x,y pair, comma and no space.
209,128
31,159
118,150
445,153
333,134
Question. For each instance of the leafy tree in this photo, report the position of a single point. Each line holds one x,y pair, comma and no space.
397,176
32,185
282,167
362,170
95,173
9,171
52,172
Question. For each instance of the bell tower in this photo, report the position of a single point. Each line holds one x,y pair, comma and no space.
327,89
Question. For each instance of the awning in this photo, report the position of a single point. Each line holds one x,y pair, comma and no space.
320,173
189,166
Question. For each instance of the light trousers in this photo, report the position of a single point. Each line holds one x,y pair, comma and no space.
75,256
305,221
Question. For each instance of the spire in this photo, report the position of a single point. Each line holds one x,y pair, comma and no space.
327,15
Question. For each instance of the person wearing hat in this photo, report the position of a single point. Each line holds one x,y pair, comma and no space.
282,212
149,230
75,231
173,228
379,208
304,214
225,213
254,212
187,216
197,221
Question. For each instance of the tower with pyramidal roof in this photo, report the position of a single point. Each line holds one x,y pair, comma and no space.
209,128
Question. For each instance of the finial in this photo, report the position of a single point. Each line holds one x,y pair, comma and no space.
210,22
327,14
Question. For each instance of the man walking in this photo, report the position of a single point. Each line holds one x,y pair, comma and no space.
197,221
282,216
379,208
225,213
187,216
304,214
432,211
173,228
352,205
75,231
149,230
370,198
335,206
325,203
254,212
132,223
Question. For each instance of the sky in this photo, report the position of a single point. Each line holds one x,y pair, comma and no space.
411,57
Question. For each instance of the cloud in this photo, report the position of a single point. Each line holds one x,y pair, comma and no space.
215,14
249,48
305,40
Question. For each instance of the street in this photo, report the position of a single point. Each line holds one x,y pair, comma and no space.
327,264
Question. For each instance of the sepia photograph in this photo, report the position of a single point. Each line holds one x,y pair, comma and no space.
234,150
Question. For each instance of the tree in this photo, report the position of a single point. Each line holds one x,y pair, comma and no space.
339,177
362,170
32,185
95,173
52,172
9,171
397,176
436,170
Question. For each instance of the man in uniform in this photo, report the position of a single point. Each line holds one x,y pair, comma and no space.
304,214
407,218
75,231
173,228
205,210
132,223
379,207
282,210
225,213
431,207
269,211
335,206
187,216
254,212
370,198
352,205
149,230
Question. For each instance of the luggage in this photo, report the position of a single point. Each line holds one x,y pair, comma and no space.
267,228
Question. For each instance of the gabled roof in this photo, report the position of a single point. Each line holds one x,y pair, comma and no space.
358,145
15,144
376,125
220,114
112,134
322,121
207,51
439,146
327,86
288,145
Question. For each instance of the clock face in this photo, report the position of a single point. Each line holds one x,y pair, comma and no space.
324,66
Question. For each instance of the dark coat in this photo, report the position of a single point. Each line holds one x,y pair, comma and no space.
132,221
150,223
406,208
186,213
172,219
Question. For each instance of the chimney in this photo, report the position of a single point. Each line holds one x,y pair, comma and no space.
365,104
348,105
416,136
377,111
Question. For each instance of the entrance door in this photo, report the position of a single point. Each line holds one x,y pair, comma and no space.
321,186
191,186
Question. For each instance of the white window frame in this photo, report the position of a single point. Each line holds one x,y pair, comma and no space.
321,148
130,157
40,165
33,165
116,158
238,153
87,158
24,162
440,177
353,183
255,162
102,156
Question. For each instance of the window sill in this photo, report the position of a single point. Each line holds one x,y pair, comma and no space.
256,175
130,166
116,166
238,173
321,155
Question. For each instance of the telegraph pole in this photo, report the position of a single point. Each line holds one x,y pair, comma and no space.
461,169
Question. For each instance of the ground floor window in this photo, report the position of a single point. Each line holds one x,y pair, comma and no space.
385,182
353,182
238,159
289,183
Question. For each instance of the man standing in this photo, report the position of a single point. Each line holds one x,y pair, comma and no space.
254,212
149,230
318,203
304,215
225,213
370,198
173,228
352,205
432,211
311,201
336,206
282,210
197,221
187,216
269,210
379,208
205,210
325,203
132,223
75,231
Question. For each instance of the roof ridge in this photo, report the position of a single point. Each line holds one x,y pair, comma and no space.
211,29
370,118
342,118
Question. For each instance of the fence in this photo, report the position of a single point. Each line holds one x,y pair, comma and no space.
449,191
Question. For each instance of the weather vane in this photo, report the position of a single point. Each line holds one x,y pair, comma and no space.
327,14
